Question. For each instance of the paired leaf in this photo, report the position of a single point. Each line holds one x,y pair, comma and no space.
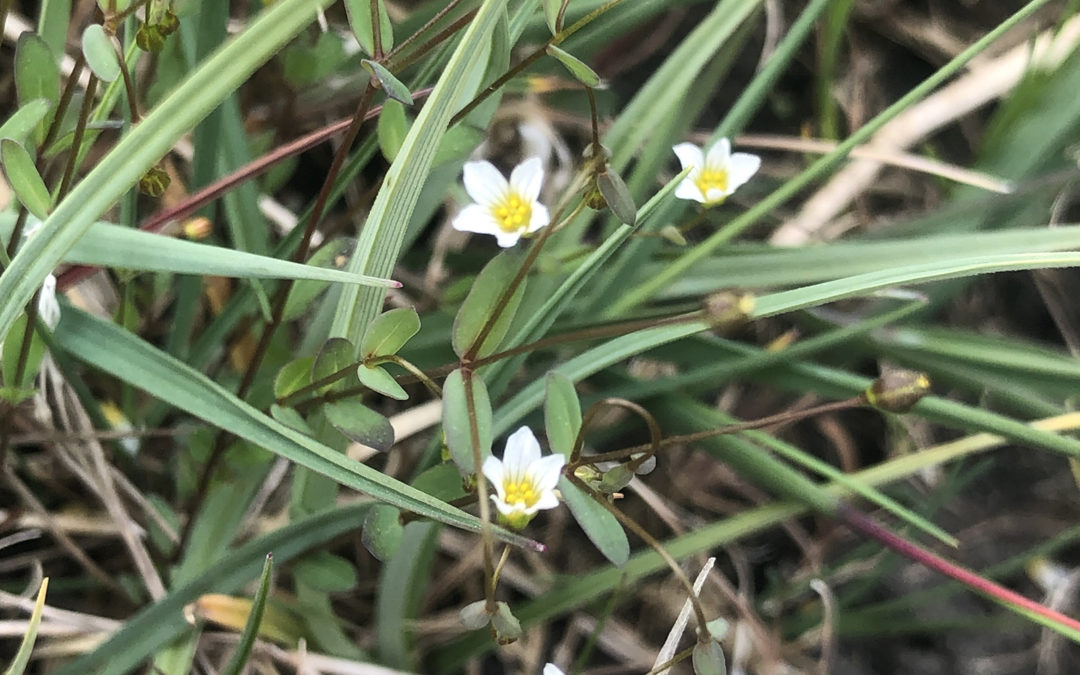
389,332
481,303
36,76
22,121
377,379
335,356
383,531
465,397
584,74
599,525
562,413
25,180
359,12
361,424
392,128
100,53
293,376
393,87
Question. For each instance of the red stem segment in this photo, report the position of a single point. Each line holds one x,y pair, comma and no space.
863,524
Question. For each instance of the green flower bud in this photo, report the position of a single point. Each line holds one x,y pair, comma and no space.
169,23
154,182
150,38
897,391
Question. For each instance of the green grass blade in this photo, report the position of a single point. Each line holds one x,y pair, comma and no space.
125,356
108,245
143,146
380,240
26,647
254,621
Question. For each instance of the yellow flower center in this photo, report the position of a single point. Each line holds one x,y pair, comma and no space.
710,179
522,493
512,213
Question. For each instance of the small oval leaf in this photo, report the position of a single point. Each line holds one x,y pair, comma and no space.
332,255
562,413
100,54
326,572
37,75
336,355
584,74
617,196
24,178
442,481
22,121
361,424
602,528
481,303
456,404
392,128
377,379
393,87
359,12
293,376
382,531
389,332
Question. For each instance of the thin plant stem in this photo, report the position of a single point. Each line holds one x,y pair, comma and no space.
481,495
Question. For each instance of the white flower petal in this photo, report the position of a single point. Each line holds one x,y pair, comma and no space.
545,471
741,168
552,669
547,500
483,182
719,154
494,471
540,217
715,195
689,155
522,450
506,239
476,218
527,178
687,190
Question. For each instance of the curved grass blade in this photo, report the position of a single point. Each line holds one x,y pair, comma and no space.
22,657
251,629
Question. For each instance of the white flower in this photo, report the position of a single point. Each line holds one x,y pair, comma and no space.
48,307
505,209
715,174
525,481
552,669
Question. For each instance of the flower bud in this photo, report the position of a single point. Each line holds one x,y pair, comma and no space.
149,38
197,228
154,182
169,23
897,391
728,310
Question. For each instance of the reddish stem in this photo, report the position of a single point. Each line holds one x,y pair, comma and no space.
860,522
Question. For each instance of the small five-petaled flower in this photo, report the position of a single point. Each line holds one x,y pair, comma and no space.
715,174
524,481
506,209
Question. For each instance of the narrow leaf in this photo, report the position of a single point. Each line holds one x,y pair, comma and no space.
584,74
562,413
100,53
481,304
389,332
251,629
361,424
22,657
393,87
599,525
22,121
25,181
464,395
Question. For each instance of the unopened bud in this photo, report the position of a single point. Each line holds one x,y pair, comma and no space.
149,38
897,391
727,311
505,625
198,228
169,23
154,182
594,199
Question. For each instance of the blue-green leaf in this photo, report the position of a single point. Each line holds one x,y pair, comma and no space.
599,525
100,53
562,413
462,391
25,180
